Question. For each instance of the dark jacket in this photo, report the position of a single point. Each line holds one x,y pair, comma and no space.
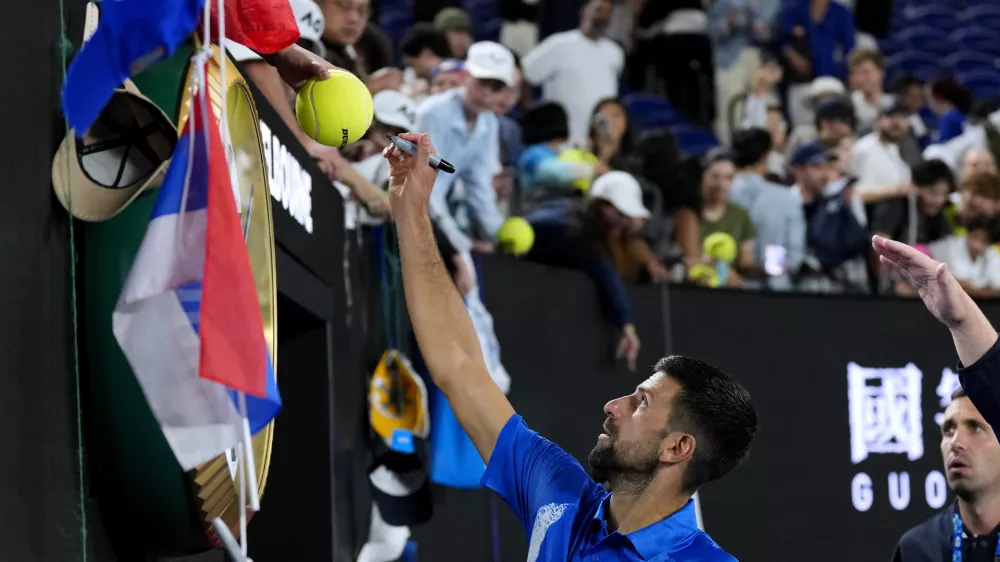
564,237
930,541
981,382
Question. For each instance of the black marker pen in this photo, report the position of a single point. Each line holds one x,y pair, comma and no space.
411,149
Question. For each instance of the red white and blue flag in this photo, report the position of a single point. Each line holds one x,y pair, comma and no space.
188,319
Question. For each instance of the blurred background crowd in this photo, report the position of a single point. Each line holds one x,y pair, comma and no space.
753,144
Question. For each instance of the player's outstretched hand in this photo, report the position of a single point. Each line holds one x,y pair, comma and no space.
940,291
411,178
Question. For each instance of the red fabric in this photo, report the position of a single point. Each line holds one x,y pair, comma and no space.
265,26
233,350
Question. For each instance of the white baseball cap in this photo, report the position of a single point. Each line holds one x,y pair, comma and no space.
623,192
394,108
487,60
309,16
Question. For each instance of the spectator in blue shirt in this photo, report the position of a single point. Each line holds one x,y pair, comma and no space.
546,135
829,29
684,426
951,102
467,132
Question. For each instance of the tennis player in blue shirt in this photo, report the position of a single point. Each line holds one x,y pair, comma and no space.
685,425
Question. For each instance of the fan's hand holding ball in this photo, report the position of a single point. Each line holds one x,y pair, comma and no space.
336,111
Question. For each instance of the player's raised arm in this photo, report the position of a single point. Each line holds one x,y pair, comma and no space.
439,318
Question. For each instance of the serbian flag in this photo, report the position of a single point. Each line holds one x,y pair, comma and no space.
188,319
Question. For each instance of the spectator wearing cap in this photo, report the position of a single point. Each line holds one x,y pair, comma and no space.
877,163
345,28
447,76
928,221
736,27
867,74
834,261
951,102
595,237
457,28
424,48
750,109
775,211
815,36
466,133
719,214
834,115
578,68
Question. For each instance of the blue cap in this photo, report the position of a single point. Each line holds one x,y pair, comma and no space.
449,65
131,35
811,154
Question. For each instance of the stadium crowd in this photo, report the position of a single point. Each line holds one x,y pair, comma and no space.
754,144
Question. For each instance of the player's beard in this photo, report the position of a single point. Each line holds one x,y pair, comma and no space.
627,466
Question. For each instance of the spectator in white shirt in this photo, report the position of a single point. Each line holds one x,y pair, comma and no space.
867,73
876,162
466,133
760,96
971,259
424,49
578,68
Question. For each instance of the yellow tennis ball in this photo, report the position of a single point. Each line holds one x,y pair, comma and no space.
577,155
516,237
336,111
720,246
704,274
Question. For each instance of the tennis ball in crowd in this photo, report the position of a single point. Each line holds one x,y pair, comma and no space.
720,246
516,237
336,111
583,157
704,275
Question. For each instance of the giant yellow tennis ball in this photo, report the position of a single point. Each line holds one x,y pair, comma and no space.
516,237
336,111
577,155
720,246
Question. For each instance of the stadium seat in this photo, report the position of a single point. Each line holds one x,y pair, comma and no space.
965,62
985,15
984,84
918,63
980,39
927,39
936,16
648,111
693,141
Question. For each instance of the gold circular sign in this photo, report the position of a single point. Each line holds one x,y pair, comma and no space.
215,482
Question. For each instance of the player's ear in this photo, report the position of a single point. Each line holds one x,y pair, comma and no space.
677,447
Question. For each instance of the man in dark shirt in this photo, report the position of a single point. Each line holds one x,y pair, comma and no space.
967,530
934,181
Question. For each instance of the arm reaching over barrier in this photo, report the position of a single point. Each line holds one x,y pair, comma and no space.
439,318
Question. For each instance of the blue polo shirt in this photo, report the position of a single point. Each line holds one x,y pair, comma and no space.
563,509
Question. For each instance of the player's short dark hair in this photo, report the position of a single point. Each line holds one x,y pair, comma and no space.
928,173
424,36
717,410
959,393
750,147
